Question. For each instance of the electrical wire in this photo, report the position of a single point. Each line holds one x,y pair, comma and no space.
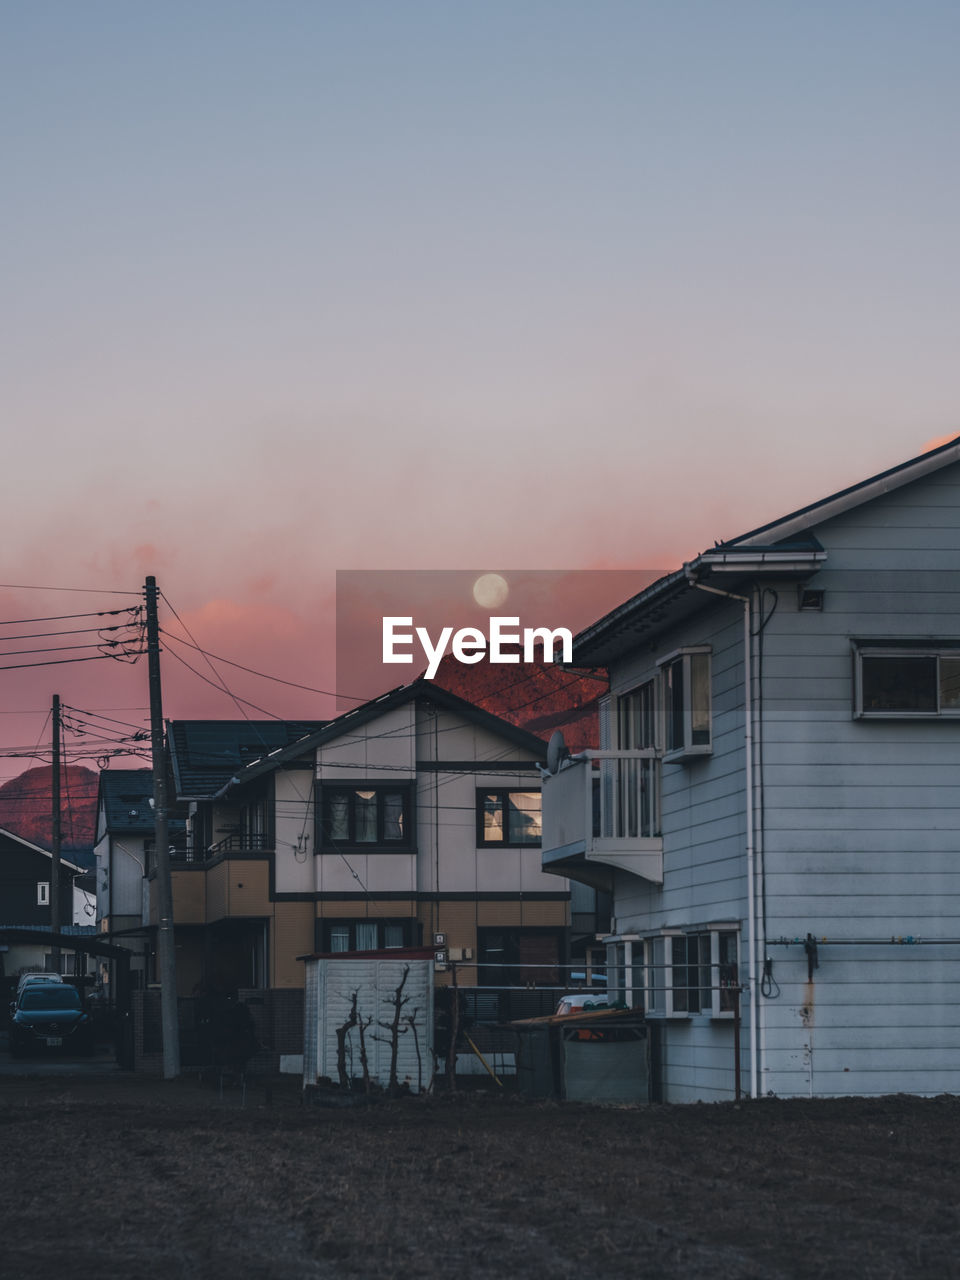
220,680
71,631
328,693
62,662
206,680
96,591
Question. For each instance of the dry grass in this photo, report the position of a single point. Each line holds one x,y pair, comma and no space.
129,1177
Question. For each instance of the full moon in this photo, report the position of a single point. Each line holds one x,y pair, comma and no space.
490,591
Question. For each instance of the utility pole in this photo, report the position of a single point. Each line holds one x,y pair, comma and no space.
55,832
166,953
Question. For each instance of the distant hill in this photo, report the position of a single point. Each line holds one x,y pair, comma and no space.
26,807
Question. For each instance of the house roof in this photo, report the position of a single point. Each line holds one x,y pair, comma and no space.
786,547
126,799
206,754
376,707
36,848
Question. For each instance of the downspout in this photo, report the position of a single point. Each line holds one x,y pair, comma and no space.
750,850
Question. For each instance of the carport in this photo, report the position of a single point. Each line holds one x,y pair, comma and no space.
94,947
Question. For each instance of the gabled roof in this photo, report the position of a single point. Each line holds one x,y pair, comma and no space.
354,719
126,798
206,754
786,547
854,496
36,848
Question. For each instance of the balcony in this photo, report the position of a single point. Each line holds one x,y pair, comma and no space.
602,814
242,842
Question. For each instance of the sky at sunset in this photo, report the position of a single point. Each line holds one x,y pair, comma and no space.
521,284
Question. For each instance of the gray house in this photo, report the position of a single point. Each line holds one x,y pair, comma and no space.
775,806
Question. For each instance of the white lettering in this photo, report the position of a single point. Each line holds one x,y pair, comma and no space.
549,638
499,637
434,654
469,645
390,639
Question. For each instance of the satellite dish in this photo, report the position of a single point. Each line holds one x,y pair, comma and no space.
556,751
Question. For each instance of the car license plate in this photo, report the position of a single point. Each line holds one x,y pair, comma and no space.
54,1042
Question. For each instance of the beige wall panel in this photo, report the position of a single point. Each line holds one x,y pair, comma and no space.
248,888
378,872
291,935
295,831
188,896
458,920
217,891
544,914
362,908
384,749
505,914
498,870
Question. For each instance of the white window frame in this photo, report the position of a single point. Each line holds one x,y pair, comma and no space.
688,749
866,650
43,893
714,1010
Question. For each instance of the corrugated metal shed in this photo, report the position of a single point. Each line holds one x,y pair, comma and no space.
347,989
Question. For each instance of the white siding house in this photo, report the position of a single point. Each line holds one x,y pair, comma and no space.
776,804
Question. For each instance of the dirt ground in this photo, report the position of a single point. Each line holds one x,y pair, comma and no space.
127,1177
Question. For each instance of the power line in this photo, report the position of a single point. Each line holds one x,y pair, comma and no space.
72,631
219,687
328,693
60,662
95,591
222,683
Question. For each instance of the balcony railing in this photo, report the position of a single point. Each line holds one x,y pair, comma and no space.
240,842
603,812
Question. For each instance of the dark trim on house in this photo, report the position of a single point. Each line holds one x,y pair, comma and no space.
399,895
476,766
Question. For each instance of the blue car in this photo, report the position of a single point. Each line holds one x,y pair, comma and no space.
49,1016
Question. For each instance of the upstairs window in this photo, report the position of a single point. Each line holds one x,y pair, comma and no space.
43,893
907,682
685,680
365,816
508,819
367,935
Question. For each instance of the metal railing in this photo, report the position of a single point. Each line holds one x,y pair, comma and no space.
242,842
626,794
606,796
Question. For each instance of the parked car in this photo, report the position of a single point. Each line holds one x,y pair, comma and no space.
39,976
582,1002
50,1016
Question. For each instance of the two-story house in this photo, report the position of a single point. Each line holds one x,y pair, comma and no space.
775,806
124,853
413,815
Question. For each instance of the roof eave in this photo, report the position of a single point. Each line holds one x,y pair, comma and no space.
854,496
648,613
